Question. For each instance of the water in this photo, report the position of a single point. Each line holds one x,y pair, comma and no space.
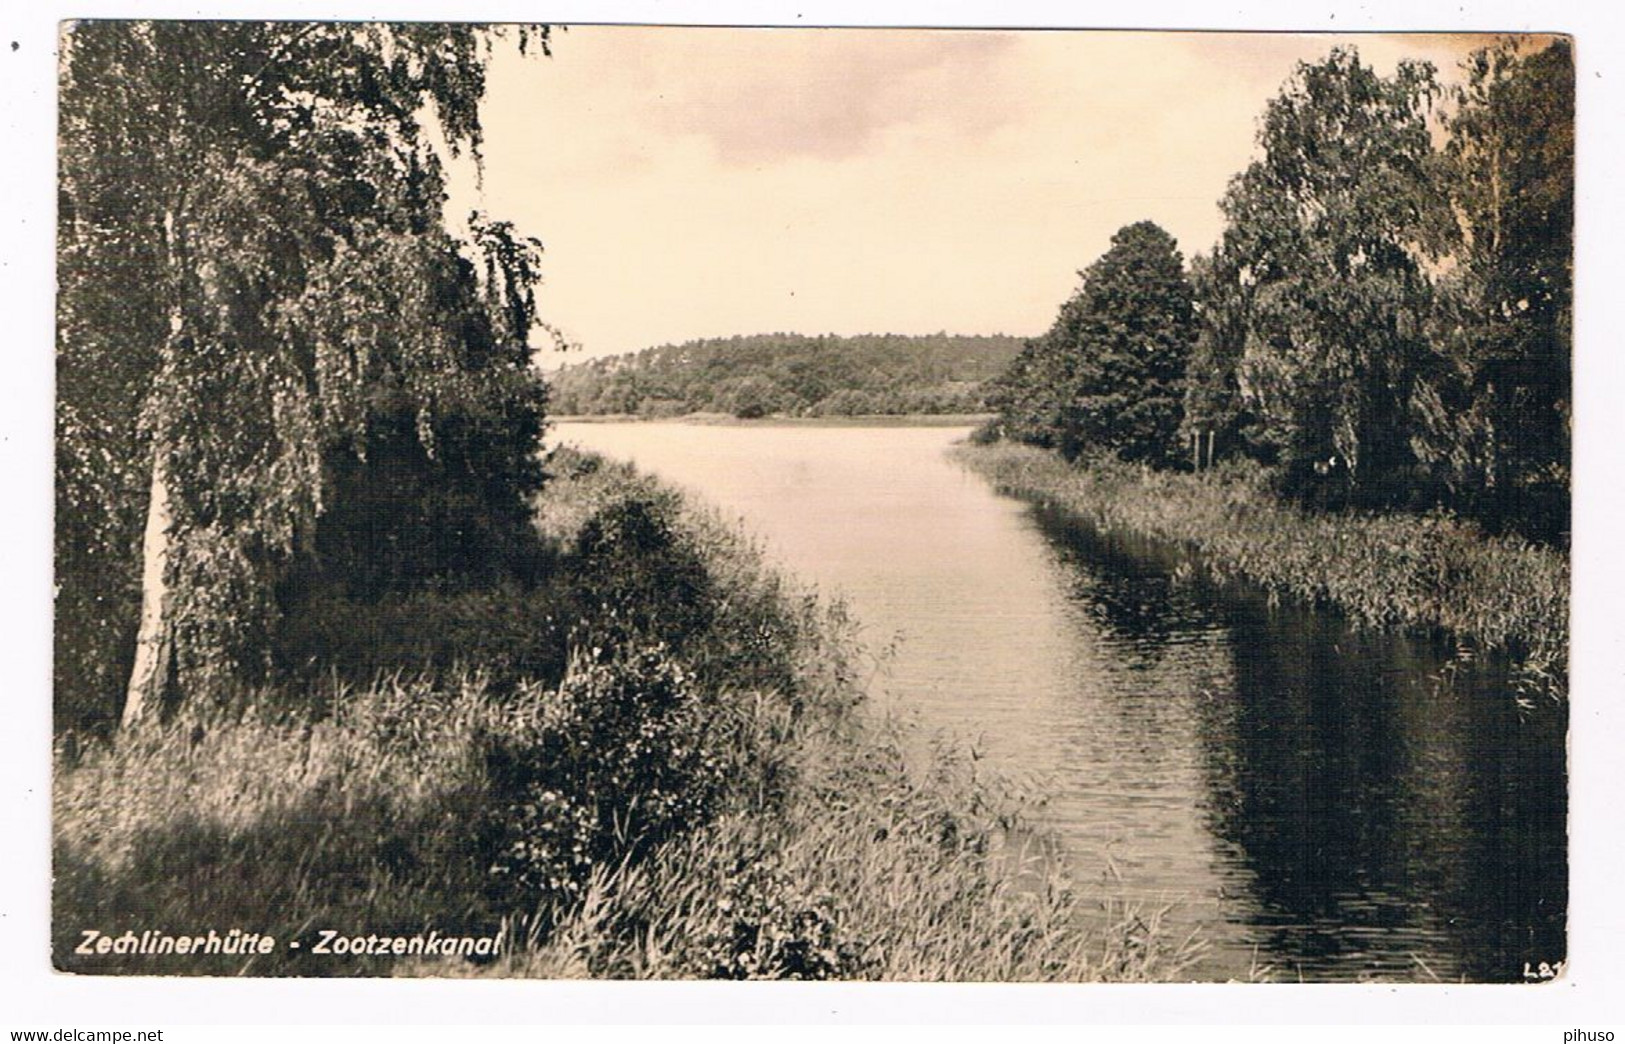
1317,802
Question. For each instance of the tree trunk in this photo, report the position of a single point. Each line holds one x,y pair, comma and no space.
153,640
154,637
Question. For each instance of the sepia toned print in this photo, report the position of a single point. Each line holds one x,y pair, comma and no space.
654,502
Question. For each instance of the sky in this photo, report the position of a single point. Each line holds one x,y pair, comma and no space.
703,182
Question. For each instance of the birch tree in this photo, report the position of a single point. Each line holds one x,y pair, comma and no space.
1329,238
252,261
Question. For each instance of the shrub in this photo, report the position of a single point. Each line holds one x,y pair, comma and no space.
988,432
616,759
766,928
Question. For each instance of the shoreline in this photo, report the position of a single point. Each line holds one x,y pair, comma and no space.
1382,571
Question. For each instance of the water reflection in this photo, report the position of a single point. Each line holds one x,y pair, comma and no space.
1128,587
1385,810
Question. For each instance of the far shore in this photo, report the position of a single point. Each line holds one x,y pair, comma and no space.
864,420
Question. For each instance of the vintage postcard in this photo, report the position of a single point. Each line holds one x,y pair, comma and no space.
958,505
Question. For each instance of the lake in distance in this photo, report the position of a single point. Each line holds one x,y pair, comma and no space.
1324,804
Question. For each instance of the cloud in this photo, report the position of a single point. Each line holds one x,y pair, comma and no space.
760,96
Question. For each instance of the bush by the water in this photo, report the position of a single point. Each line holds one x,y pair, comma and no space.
892,859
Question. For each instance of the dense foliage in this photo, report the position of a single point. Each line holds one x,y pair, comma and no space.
452,785
1328,234
789,374
1110,372
272,355
1502,437
1386,319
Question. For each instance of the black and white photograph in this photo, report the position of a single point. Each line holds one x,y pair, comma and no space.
907,503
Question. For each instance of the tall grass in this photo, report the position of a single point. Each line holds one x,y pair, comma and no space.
886,862
693,793
1429,572
261,821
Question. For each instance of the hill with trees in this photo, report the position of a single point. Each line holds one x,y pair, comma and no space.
790,374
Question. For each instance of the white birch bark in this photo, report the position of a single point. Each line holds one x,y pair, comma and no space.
150,673
152,643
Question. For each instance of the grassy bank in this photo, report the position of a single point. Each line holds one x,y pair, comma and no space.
651,764
1431,572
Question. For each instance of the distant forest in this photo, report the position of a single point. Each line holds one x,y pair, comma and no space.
791,375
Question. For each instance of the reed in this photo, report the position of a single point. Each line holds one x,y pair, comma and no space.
1430,572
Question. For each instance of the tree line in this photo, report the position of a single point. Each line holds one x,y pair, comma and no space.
790,374
1385,322
278,371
